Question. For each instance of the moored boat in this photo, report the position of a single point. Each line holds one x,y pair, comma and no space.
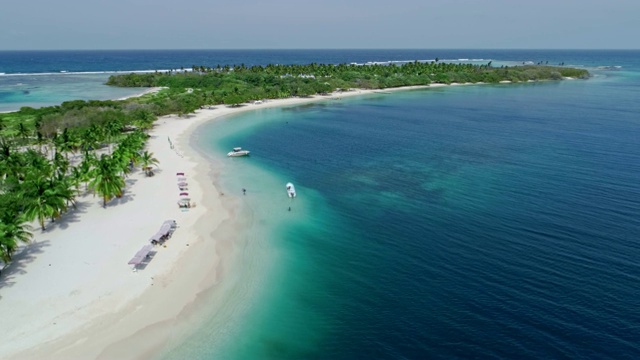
237,151
291,190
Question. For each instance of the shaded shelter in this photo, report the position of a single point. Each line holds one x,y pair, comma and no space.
139,257
165,232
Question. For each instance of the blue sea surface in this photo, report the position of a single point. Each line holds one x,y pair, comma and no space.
481,221
485,221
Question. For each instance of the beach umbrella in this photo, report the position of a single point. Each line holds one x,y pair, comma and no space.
182,183
182,179
184,194
180,174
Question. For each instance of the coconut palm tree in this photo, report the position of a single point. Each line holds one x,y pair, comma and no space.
13,230
146,161
113,128
106,180
60,164
91,138
40,200
24,132
86,168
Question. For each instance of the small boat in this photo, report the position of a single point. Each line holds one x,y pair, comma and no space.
291,191
237,151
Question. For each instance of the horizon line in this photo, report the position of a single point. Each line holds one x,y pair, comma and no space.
323,49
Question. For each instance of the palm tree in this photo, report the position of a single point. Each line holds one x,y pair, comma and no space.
143,118
23,132
86,168
40,202
63,186
36,161
106,180
146,160
13,230
76,177
113,128
91,138
129,150
60,164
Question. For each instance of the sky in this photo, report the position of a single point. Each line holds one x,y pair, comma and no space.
326,24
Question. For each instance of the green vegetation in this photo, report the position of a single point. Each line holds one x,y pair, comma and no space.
236,85
50,155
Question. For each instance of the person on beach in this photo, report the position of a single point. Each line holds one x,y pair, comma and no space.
244,191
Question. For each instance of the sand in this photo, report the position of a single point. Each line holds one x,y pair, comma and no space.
70,294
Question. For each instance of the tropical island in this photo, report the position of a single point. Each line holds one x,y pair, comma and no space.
40,182
76,182
199,86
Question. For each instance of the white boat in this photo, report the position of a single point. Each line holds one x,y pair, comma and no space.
237,151
291,190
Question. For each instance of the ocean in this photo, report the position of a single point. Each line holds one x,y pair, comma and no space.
481,221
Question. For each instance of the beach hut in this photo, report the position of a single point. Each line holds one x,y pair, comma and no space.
184,194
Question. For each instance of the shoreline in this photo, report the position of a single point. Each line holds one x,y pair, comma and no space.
70,294
142,93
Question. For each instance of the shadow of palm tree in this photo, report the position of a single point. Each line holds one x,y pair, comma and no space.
71,216
130,182
128,196
18,264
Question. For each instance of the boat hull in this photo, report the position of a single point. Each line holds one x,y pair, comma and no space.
238,153
291,190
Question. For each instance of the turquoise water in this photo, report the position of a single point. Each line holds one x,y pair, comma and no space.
476,221
263,286
38,90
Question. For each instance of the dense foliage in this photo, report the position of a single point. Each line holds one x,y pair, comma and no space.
51,155
235,85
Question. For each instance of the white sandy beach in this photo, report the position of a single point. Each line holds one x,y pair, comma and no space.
71,294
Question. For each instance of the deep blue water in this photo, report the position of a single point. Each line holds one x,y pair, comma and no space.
29,62
463,222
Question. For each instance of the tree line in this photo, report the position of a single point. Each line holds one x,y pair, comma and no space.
233,85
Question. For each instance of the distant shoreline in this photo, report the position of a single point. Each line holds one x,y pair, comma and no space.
142,93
